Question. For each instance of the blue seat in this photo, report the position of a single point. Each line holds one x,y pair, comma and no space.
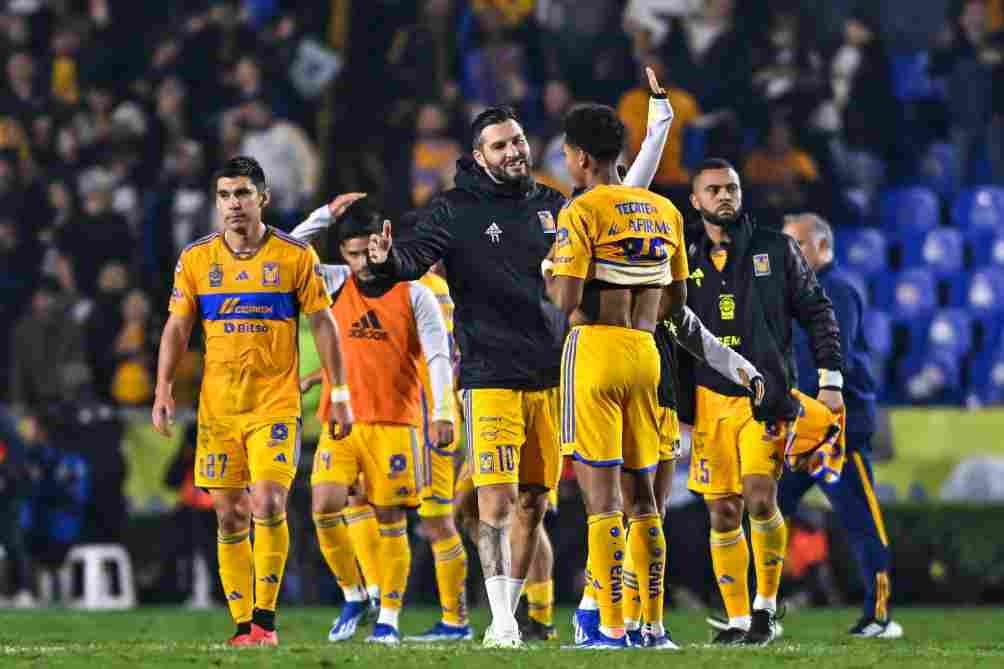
941,249
914,294
911,210
939,169
980,208
986,379
985,248
933,376
951,329
985,302
910,79
863,250
877,327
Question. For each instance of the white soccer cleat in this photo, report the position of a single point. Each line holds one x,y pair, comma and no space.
506,640
873,629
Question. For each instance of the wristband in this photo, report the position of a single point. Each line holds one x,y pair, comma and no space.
831,379
546,267
340,394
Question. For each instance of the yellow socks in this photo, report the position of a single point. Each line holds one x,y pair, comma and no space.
271,546
730,558
647,550
364,531
396,562
632,594
769,537
236,565
540,601
606,560
451,578
336,547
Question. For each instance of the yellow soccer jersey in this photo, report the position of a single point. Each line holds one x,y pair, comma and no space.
621,235
249,309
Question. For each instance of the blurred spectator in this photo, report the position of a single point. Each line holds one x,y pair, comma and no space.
47,351
968,57
648,21
132,351
434,155
103,323
580,44
12,491
66,76
780,171
288,157
25,98
94,238
672,178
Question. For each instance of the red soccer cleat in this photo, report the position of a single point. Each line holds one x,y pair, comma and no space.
260,637
241,641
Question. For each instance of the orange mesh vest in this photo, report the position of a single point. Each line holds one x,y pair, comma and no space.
381,350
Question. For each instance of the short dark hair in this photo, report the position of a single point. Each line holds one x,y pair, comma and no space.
595,129
242,166
490,116
359,220
711,164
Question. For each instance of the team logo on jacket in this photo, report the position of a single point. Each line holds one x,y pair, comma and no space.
761,264
494,233
270,274
546,221
215,275
727,307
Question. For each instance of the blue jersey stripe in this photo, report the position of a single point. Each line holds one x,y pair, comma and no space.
248,306
202,240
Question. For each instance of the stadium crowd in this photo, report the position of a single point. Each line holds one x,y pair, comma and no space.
113,114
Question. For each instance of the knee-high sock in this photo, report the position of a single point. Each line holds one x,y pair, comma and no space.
451,579
271,547
769,537
336,547
606,554
730,558
540,601
237,573
365,534
396,554
632,590
647,547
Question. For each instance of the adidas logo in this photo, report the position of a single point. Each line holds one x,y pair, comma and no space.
368,327
234,596
243,276
281,458
494,232
271,578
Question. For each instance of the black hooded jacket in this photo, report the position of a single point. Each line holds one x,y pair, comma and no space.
491,238
765,283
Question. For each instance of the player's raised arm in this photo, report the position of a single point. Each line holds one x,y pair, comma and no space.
173,344
435,343
410,260
660,120
321,218
690,333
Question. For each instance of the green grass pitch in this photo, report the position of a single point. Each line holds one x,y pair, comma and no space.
162,637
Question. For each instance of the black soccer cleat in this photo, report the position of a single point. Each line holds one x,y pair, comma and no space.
732,636
534,630
763,629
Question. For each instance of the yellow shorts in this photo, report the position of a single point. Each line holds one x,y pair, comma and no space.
512,436
440,466
236,452
388,457
669,436
610,413
728,445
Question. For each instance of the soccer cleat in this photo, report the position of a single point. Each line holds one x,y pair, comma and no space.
534,630
658,642
717,621
262,637
510,640
586,623
442,632
241,641
869,628
600,641
636,638
731,636
344,628
384,634
763,628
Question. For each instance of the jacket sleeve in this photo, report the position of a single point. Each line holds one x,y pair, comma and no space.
812,309
410,260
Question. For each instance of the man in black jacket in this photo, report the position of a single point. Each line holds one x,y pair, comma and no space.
747,283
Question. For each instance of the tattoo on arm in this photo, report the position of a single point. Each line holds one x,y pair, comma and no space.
494,550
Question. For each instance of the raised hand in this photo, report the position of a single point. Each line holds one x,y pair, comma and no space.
379,246
653,83
342,202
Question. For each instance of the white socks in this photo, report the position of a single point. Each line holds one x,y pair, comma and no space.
515,587
354,593
389,617
499,592
374,592
740,622
588,604
765,603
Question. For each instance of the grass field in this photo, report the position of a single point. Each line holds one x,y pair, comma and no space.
152,637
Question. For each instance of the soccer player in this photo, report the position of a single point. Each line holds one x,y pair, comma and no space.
438,464
748,282
853,495
390,327
617,249
492,231
248,285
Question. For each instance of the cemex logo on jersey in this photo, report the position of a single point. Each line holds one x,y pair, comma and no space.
368,327
494,232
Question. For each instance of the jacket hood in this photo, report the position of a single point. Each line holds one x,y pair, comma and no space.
472,178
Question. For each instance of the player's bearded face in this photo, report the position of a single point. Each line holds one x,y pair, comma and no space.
356,256
718,196
240,203
504,153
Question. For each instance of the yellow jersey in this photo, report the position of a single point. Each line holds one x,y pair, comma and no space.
622,236
250,309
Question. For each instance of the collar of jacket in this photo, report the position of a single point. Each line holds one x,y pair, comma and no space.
471,177
740,232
